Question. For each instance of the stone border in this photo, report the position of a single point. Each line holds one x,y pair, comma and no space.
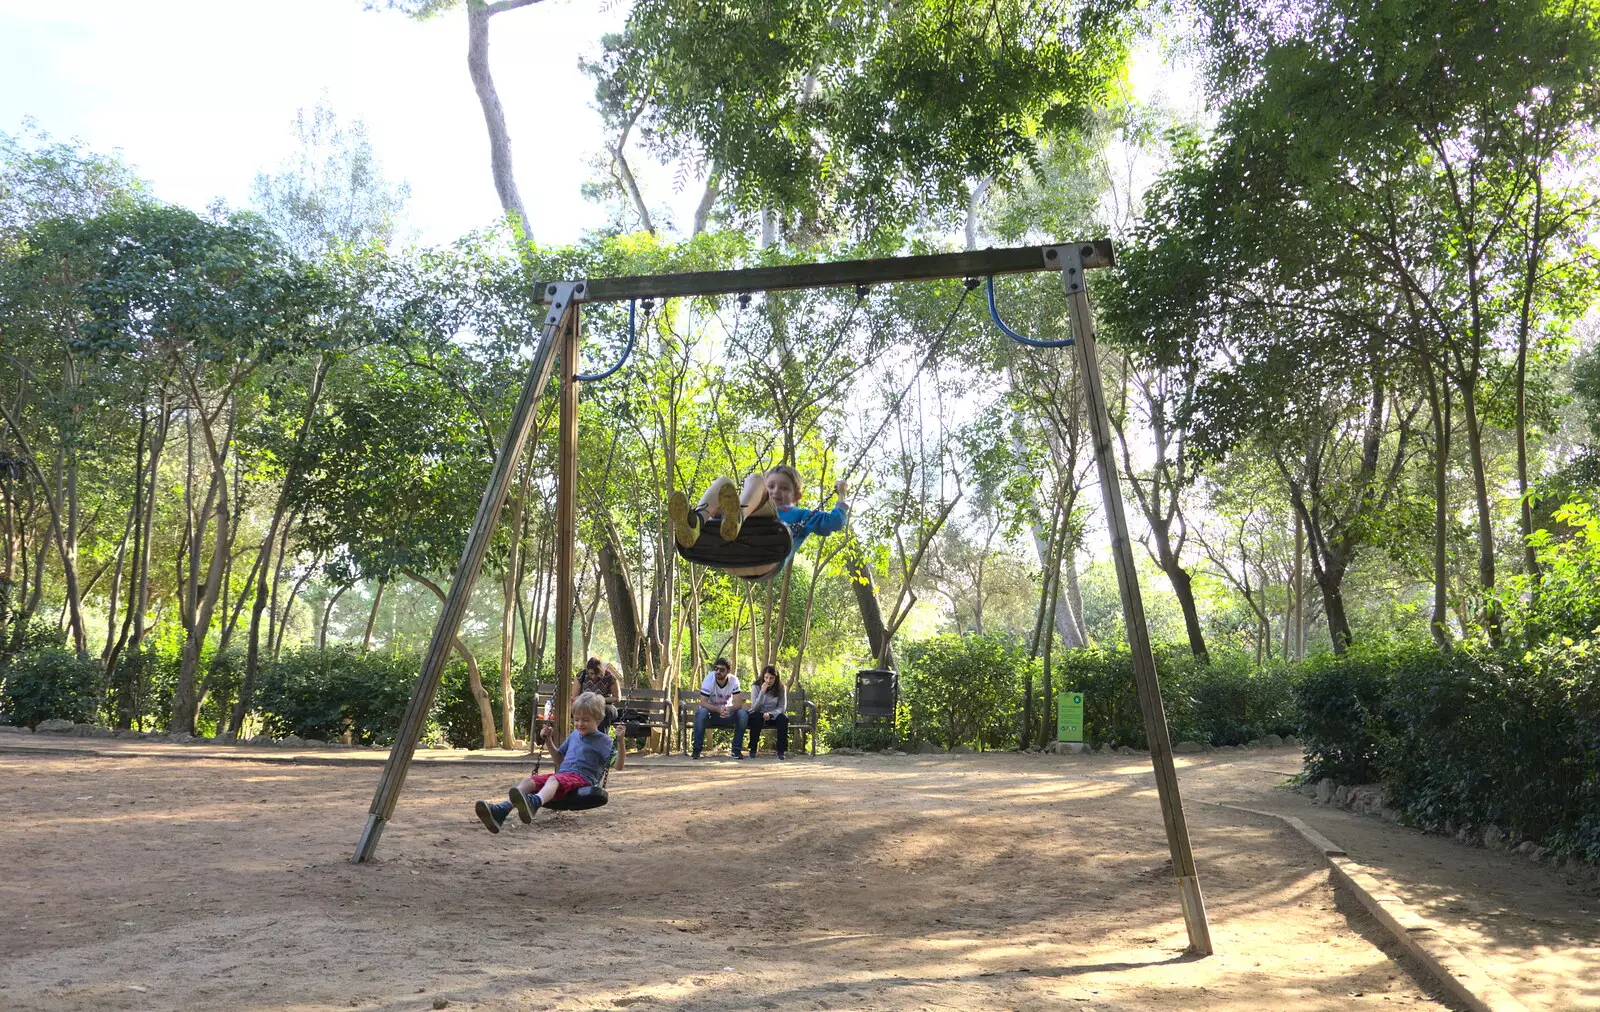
1465,980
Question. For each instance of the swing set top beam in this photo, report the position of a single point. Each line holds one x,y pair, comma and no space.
967,264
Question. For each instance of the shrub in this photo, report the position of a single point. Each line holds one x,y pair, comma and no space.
223,675
963,690
310,692
131,688
1478,737
1227,702
51,683
454,708
1111,714
1232,702
1338,700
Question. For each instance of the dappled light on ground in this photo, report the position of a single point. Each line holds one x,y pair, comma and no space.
975,883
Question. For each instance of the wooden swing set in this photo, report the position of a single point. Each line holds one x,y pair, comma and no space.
559,340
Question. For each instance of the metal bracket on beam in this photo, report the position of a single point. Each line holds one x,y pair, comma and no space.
1072,261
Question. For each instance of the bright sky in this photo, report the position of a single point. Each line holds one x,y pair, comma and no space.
199,97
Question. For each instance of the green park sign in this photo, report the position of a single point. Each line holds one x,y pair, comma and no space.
1069,717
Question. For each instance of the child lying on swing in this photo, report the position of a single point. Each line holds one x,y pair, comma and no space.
773,494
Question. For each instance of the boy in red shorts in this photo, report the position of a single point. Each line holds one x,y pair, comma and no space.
580,762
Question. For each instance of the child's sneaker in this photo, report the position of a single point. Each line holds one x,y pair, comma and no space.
492,815
685,521
525,806
732,511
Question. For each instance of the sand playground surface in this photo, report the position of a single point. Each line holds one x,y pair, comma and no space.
918,882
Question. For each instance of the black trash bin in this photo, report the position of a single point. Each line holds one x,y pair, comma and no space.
877,695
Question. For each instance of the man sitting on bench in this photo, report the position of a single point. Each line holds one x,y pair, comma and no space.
720,707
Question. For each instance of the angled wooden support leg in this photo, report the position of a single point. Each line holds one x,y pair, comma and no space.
559,297
1072,260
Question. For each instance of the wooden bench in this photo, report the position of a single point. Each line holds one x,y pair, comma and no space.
650,709
802,717
640,707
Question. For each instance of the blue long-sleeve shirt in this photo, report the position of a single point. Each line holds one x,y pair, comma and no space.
803,523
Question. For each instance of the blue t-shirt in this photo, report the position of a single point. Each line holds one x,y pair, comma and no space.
585,755
803,523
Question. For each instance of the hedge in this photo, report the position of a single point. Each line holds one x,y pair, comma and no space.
1227,702
1468,737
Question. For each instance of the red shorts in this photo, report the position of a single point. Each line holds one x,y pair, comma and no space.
566,783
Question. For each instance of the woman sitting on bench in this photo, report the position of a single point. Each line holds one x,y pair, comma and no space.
769,707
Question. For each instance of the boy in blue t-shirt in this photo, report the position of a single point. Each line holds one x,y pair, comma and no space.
580,762
772,494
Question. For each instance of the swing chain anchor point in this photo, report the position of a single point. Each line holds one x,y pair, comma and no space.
1070,261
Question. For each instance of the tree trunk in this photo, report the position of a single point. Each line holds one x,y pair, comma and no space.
1480,485
474,675
68,552
327,613
631,649
1298,592
494,116
1080,625
1440,403
1333,607
866,591
1183,588
186,702
372,618
288,607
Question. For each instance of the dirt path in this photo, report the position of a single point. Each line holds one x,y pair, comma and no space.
1534,930
973,883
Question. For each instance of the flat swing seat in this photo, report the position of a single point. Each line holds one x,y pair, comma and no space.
580,800
762,541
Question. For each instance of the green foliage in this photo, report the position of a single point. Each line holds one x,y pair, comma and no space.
1586,388
1468,736
1338,699
1564,601
1233,701
1227,702
963,690
332,192
310,693
872,114
455,711
50,683
41,178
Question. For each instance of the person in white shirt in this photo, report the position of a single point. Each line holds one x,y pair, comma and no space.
720,706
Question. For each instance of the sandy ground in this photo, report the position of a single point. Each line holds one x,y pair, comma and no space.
1536,931
970,883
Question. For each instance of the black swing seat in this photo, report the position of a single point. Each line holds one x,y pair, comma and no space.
762,541
580,800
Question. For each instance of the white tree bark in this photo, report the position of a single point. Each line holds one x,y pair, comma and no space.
494,116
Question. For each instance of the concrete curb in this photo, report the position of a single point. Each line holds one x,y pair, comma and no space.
1464,979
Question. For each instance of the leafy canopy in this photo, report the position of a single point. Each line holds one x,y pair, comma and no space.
837,110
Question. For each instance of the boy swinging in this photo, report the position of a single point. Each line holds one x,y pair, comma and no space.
771,495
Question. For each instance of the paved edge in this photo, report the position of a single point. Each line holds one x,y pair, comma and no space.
1465,980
